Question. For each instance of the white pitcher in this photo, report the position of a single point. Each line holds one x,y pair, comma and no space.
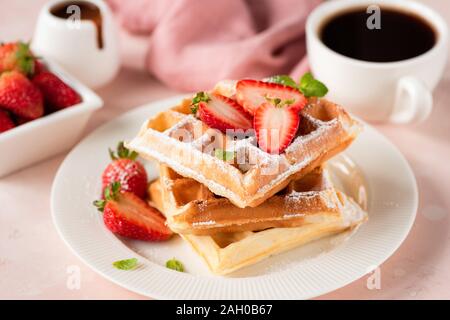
88,52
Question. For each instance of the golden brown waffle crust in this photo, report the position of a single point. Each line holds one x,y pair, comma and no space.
325,130
230,251
191,208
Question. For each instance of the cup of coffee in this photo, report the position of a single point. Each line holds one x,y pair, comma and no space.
381,59
81,36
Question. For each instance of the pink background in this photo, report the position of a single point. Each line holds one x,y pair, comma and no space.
34,260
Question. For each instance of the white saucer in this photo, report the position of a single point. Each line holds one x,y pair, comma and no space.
371,170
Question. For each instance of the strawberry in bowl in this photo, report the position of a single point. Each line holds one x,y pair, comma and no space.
43,110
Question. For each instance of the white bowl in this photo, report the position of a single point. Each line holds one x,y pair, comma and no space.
47,136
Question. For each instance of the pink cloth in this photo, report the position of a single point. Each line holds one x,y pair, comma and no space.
194,43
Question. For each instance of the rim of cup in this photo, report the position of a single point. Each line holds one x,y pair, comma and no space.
327,10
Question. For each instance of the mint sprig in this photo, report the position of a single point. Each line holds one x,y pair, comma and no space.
174,264
127,264
308,85
282,79
199,97
311,87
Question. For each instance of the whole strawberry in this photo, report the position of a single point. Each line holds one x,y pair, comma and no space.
16,56
57,94
127,171
20,96
39,67
129,216
5,121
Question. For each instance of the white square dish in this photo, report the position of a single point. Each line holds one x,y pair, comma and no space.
47,136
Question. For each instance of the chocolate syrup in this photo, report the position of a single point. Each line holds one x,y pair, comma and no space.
88,11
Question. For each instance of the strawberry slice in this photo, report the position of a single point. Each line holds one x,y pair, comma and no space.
252,93
275,126
223,113
129,216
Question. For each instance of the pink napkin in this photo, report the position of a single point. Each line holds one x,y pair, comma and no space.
192,44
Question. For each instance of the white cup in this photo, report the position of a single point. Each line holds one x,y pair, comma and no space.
73,43
399,92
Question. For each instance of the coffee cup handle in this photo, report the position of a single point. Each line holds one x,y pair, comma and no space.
413,101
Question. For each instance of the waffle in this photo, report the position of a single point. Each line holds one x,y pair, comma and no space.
193,209
328,212
176,138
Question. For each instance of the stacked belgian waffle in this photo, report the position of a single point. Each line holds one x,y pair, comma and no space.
237,210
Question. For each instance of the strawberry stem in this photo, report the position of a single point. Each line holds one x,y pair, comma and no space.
111,192
199,97
122,153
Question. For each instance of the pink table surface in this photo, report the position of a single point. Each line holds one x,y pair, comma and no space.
34,261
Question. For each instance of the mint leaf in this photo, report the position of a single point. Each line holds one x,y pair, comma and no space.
199,97
174,264
127,264
282,79
311,87
224,155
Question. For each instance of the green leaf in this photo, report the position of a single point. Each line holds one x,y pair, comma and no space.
311,87
283,79
112,190
111,154
224,155
122,152
100,204
107,193
199,97
127,264
133,155
174,264
115,187
25,58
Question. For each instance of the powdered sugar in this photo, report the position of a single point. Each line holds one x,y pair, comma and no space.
204,223
251,166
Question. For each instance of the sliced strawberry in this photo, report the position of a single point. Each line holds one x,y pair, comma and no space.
129,216
275,126
223,113
252,93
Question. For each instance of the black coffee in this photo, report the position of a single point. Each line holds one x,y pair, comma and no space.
401,35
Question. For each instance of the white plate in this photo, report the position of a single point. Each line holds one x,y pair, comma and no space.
320,267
